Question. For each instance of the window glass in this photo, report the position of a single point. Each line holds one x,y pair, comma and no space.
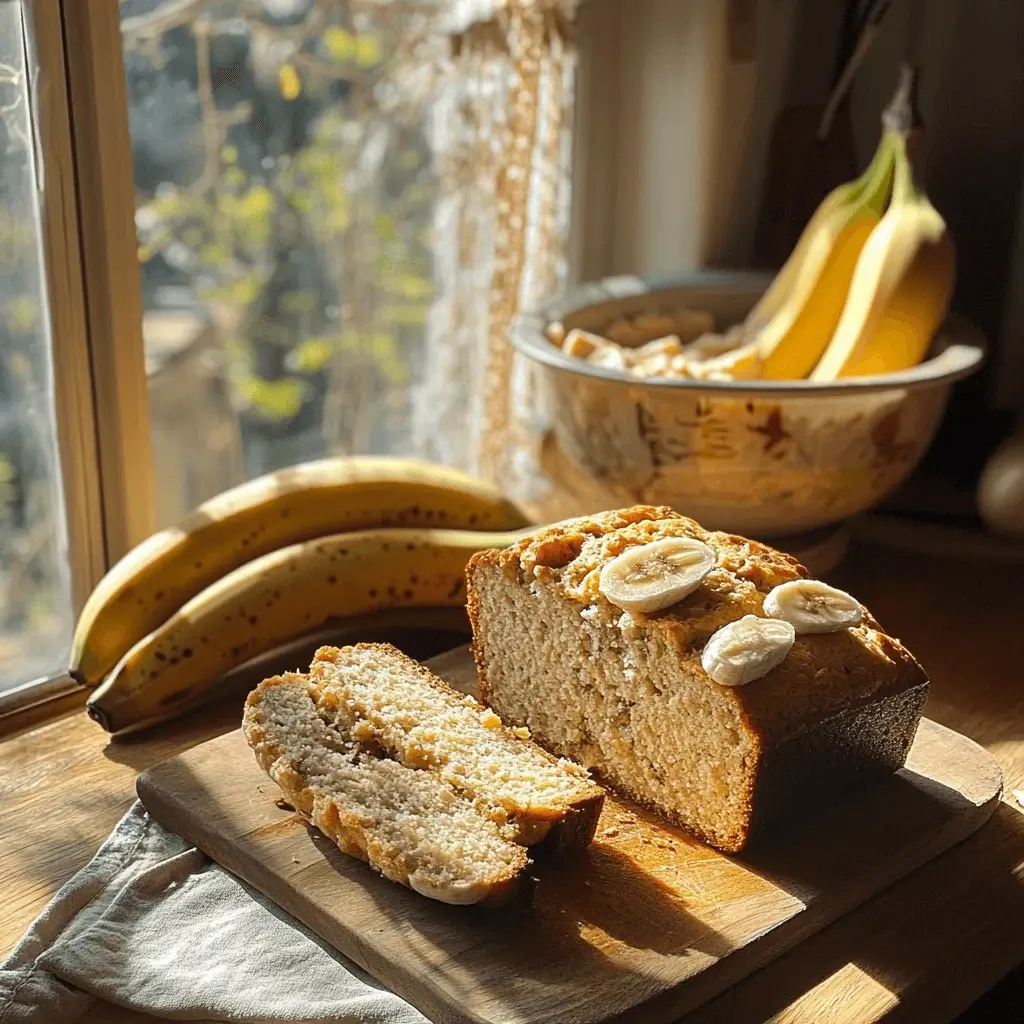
35,595
284,196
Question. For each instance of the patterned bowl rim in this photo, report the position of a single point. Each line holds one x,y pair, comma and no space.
957,351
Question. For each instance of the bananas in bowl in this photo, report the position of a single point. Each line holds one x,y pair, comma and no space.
864,291
769,406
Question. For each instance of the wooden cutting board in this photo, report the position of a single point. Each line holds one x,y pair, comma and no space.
645,926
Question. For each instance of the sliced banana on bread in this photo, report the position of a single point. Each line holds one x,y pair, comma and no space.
813,607
423,783
656,575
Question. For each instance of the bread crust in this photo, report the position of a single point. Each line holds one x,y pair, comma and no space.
858,687
834,755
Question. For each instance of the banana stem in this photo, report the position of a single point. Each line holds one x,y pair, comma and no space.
901,115
876,189
902,122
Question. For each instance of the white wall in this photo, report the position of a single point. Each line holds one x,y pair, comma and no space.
672,133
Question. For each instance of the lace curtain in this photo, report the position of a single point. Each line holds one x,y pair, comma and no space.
501,135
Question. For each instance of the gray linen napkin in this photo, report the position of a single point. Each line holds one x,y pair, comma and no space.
151,928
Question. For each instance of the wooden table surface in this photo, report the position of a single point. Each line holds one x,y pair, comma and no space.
922,951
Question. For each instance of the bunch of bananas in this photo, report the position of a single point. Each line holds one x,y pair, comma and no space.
869,281
272,561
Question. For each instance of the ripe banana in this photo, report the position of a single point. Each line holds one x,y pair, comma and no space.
747,649
153,581
900,290
654,576
791,330
274,599
813,607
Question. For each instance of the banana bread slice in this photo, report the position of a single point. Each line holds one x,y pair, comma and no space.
625,693
410,825
380,696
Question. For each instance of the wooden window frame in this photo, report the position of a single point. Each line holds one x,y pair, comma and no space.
110,269
95,288
94,303
65,300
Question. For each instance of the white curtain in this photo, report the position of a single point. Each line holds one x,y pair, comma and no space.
501,135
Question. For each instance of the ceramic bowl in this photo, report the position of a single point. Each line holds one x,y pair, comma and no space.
768,458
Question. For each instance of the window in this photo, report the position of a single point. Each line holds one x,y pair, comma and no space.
272,238
36,614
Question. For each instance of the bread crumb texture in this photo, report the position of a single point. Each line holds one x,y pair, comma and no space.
625,693
425,784
426,725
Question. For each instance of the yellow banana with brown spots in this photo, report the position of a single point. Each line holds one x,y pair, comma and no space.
152,582
278,598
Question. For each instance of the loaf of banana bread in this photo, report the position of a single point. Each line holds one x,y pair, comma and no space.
701,674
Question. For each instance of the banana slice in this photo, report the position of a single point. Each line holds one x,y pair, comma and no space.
611,357
555,332
666,346
653,576
813,607
583,344
747,649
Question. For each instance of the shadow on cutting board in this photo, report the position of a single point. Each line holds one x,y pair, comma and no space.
599,921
